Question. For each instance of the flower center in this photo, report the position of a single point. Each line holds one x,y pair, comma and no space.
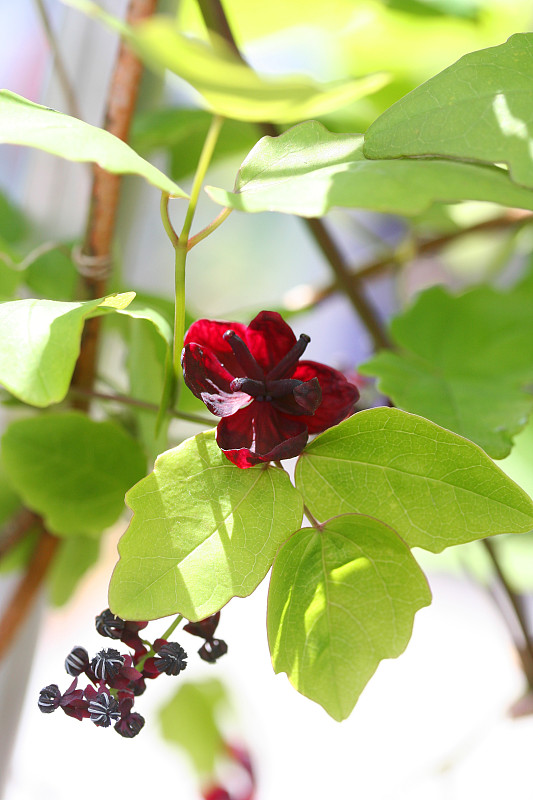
272,386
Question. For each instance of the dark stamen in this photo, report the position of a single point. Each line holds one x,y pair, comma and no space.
248,385
246,360
290,359
276,389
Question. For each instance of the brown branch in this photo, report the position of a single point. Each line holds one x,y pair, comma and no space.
96,254
525,649
16,529
25,593
123,399
217,23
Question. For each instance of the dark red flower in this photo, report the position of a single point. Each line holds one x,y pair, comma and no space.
253,378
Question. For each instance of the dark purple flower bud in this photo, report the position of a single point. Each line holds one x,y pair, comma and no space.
49,698
107,624
130,726
170,658
77,661
212,650
205,627
107,664
103,710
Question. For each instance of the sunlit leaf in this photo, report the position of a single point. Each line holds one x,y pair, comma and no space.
478,109
203,531
41,343
25,123
341,599
433,487
308,170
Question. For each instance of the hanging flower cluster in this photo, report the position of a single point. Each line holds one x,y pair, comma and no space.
115,680
268,399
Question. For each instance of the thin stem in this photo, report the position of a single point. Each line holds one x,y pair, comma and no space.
208,230
217,23
59,66
312,519
525,653
170,630
165,219
131,401
182,245
203,164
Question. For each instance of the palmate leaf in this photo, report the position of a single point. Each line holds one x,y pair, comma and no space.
479,108
25,123
229,87
203,531
341,599
308,170
465,362
433,487
72,470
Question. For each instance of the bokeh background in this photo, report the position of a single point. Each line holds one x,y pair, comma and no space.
433,723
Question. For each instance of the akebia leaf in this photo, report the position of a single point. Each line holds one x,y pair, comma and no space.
41,342
229,87
75,556
203,531
307,170
341,599
25,123
72,470
433,487
479,108
465,362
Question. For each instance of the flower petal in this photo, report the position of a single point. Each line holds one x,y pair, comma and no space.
338,395
210,334
269,338
207,379
259,433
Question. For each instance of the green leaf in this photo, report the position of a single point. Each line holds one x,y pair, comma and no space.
74,557
13,224
341,599
308,170
478,109
433,487
203,531
18,556
183,131
25,123
465,362
41,344
230,87
52,274
72,470
189,720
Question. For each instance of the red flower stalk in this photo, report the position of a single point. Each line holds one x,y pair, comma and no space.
253,378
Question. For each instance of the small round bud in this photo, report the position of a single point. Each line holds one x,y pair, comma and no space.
103,710
49,698
107,664
170,658
107,624
212,650
77,661
130,726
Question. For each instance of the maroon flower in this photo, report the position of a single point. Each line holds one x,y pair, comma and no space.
253,378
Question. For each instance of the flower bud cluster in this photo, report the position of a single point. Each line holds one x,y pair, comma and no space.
115,680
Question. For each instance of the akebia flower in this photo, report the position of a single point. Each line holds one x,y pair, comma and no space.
252,377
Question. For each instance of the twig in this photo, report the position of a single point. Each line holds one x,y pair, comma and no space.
526,651
217,23
16,529
22,599
123,94
131,401
64,80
